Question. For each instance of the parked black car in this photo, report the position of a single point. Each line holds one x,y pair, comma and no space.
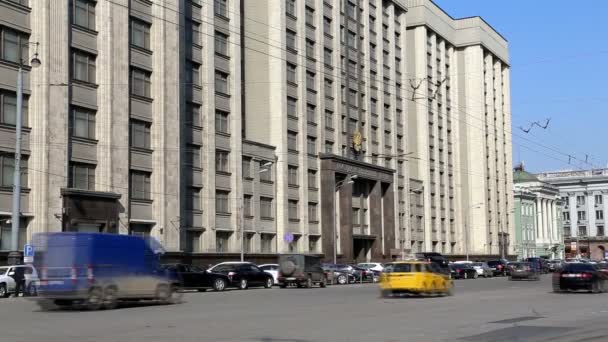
523,270
463,271
300,270
499,267
539,264
338,274
580,276
243,274
196,278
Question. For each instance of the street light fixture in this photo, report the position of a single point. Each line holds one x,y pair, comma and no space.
348,180
14,257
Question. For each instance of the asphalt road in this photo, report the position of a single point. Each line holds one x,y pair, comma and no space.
480,310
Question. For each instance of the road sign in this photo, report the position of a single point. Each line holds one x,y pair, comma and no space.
28,253
288,237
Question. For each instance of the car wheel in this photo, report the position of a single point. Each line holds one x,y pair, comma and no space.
475,275
219,284
243,284
95,299
308,282
110,299
342,279
46,304
323,283
385,294
269,283
3,291
32,290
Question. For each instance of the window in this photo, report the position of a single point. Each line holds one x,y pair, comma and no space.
140,134
8,109
351,10
247,210
352,39
329,88
195,199
291,73
310,113
222,122
313,242
292,175
265,176
266,243
291,40
194,114
329,119
139,185
311,145
312,179
7,168
327,26
310,80
222,203
310,49
141,230
352,68
83,66
290,8
582,215
310,16
222,239
222,161
246,167
140,34
193,241
327,56
582,231
140,82
356,218
329,147
82,176
221,82
293,245
195,156
567,232
266,207
566,215
84,14
600,230
193,33
599,199
293,210
221,43
353,99
221,8
312,212
83,123
580,200
193,76
599,215
292,107
292,141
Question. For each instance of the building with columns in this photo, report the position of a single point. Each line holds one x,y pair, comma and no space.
276,125
537,214
583,194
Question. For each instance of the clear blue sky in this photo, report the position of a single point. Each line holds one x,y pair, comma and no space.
559,69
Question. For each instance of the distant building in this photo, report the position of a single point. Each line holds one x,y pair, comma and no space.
583,195
538,225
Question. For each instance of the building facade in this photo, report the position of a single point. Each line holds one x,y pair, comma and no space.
538,224
459,109
269,126
583,194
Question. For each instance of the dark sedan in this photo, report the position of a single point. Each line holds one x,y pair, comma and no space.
523,270
579,276
244,274
196,278
463,271
498,267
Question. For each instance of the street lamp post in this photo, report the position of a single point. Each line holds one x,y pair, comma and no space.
14,257
265,168
348,180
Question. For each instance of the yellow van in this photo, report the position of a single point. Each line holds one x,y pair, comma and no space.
414,277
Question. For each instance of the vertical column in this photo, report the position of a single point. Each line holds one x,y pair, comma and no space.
546,220
388,212
375,218
328,210
539,219
345,197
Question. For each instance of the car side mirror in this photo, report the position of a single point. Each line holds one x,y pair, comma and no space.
11,273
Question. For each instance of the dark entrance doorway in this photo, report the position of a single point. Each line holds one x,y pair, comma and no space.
362,247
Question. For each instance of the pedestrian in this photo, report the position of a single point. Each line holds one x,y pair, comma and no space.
19,277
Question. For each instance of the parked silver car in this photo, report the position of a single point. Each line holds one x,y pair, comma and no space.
8,285
483,270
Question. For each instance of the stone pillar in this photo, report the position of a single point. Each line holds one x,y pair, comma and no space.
539,220
375,219
388,213
328,212
345,195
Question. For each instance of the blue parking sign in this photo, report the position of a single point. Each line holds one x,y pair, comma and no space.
28,251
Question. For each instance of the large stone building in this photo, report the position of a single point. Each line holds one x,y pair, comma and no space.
291,123
538,224
459,119
583,210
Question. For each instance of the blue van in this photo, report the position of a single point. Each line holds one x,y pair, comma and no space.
94,270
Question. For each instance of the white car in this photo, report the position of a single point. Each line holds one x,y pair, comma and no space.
374,266
272,269
482,269
8,285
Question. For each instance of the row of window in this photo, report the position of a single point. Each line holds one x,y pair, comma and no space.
582,231
582,215
292,143
581,200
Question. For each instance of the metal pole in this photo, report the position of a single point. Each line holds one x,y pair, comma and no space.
243,229
15,220
335,230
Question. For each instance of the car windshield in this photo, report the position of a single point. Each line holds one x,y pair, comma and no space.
402,268
493,263
3,270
